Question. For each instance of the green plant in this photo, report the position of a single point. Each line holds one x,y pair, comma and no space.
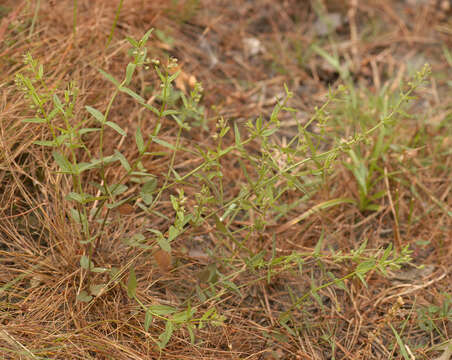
381,112
430,316
270,173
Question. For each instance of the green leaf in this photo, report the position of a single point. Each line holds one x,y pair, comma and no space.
139,140
207,314
40,71
132,284
76,197
176,175
372,207
58,104
81,167
173,232
164,143
114,273
145,37
166,335
338,282
147,190
76,216
174,76
161,310
365,266
377,195
333,61
61,139
174,202
238,141
35,121
149,186
118,189
232,286
147,320
97,289
109,78
116,127
386,253
129,72
96,113
52,114
191,333
132,41
95,163
275,112
45,143
62,162
84,297
132,94
85,263
152,108
164,244
220,226
137,240
183,316
269,132
402,345
319,245
170,112
122,159
117,203
147,199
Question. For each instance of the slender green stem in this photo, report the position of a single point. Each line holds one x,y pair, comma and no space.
74,17
115,21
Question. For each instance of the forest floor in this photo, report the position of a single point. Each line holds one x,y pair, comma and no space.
253,179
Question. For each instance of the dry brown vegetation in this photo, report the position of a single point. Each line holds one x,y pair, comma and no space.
242,52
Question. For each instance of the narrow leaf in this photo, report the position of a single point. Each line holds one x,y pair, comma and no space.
109,78
238,141
164,143
84,262
84,297
62,162
152,108
116,127
96,113
172,233
166,335
139,140
132,41
132,284
129,72
34,120
76,197
45,143
170,112
161,310
147,320
132,94
122,159
174,76
164,244
146,36
191,333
